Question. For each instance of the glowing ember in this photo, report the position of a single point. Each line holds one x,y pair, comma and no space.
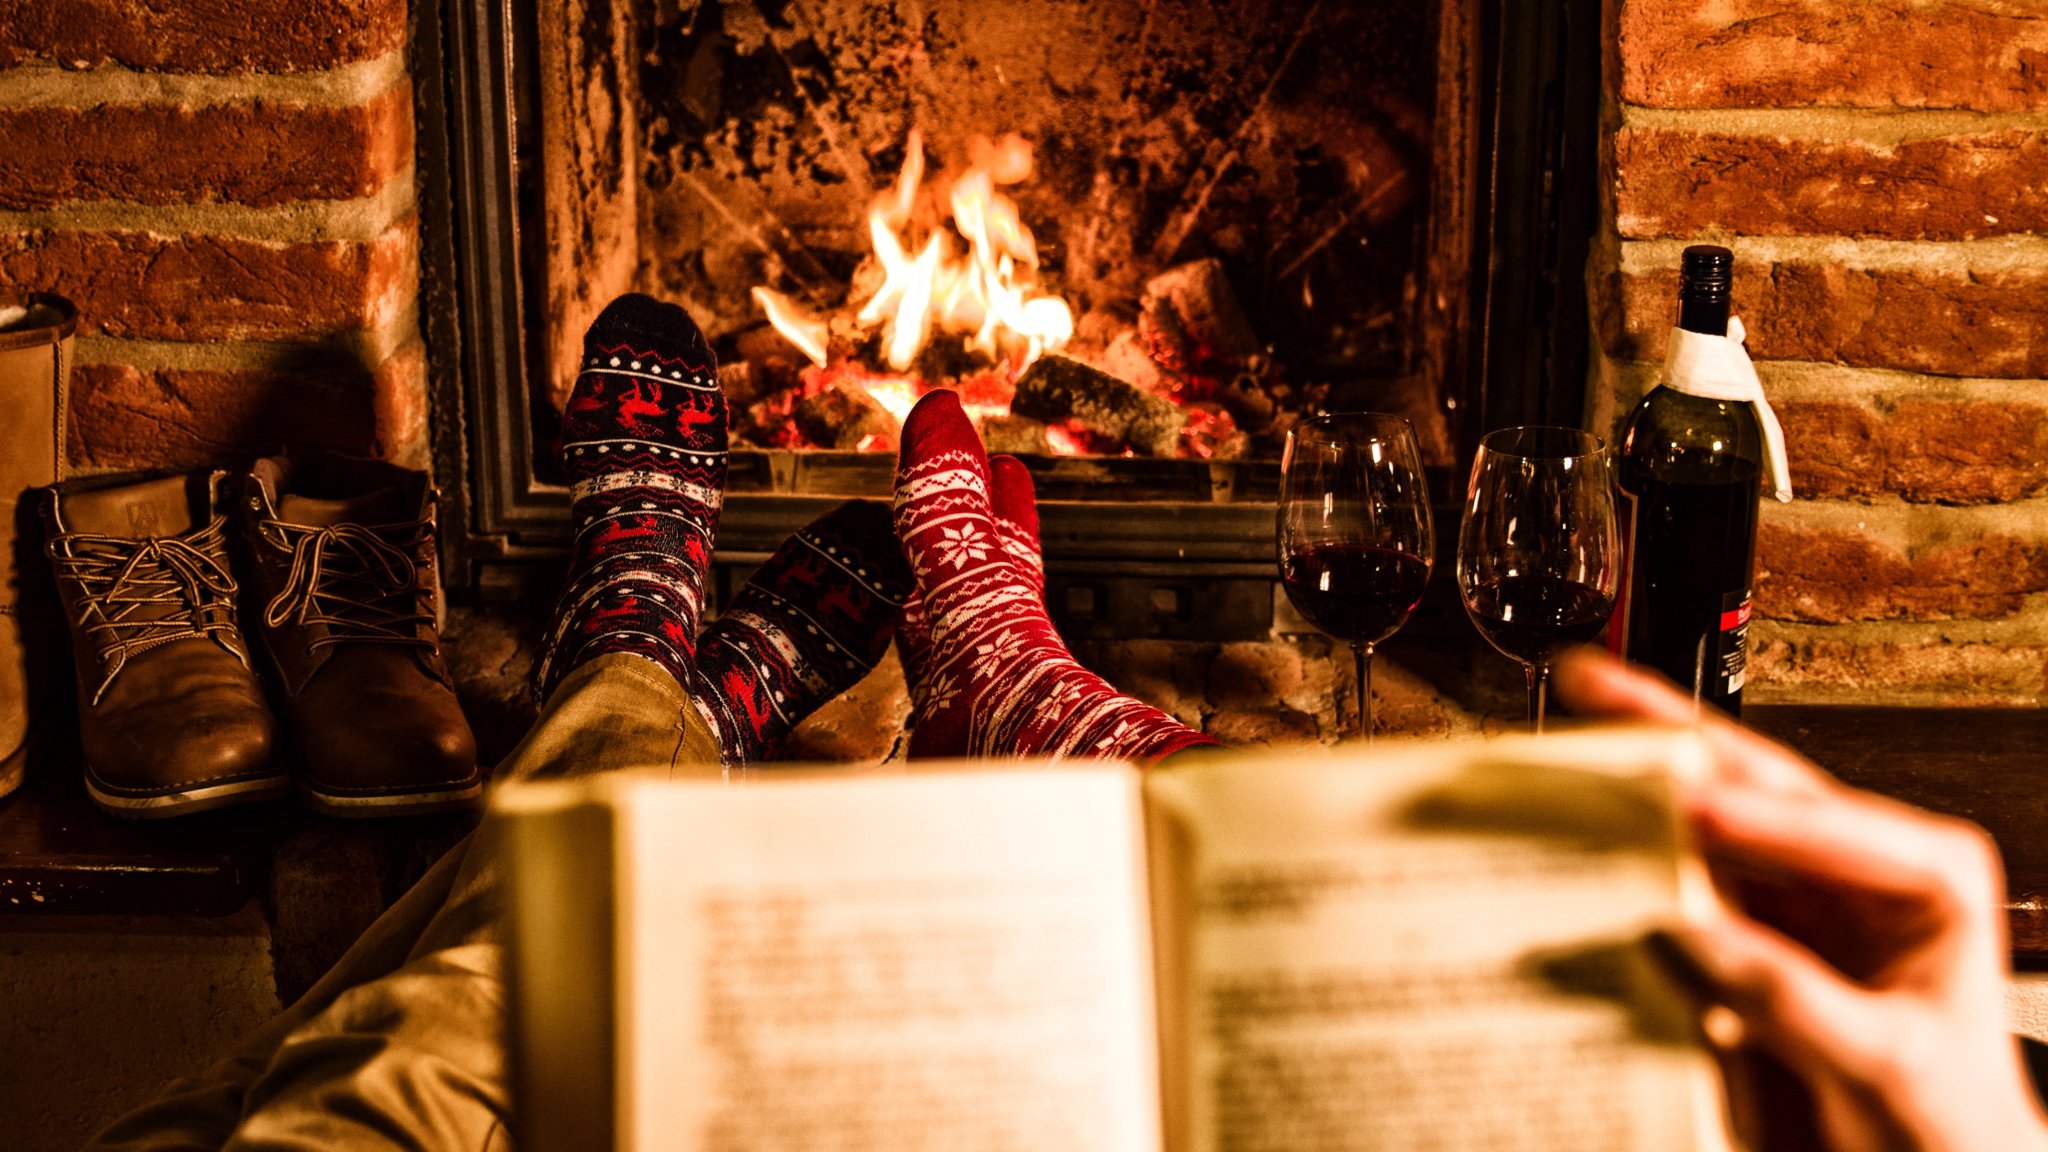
1063,441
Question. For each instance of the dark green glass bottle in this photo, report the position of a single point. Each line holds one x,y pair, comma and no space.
1691,470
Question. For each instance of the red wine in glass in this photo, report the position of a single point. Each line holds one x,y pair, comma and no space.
1534,618
1356,593
1539,554
1355,538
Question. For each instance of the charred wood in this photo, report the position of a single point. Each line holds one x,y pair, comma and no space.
1055,388
1016,435
845,418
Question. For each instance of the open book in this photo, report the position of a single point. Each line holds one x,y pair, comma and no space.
1422,946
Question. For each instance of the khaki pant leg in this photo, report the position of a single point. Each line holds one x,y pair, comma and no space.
401,1044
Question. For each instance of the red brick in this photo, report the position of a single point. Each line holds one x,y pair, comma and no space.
1674,183
1851,669
1983,323
1991,55
401,403
201,35
259,154
124,417
142,286
1927,450
1830,577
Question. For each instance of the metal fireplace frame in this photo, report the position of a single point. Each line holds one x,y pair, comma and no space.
1193,558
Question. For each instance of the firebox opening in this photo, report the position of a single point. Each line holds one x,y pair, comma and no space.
1115,230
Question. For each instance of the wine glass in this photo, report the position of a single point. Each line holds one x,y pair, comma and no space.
1355,538
1539,558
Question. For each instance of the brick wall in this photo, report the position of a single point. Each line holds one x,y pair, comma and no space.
225,188
1880,168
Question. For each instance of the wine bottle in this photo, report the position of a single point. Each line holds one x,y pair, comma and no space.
1692,461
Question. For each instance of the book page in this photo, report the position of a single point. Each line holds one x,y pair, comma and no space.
1431,947
937,961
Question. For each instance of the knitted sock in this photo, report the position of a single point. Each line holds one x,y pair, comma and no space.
806,627
1014,503
999,681
644,441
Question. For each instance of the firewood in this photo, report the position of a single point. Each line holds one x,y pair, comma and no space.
1055,388
1191,309
1016,435
845,418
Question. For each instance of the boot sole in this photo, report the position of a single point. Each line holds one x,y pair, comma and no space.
379,805
188,801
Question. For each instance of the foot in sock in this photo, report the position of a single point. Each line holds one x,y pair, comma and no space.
1014,503
997,679
806,627
644,438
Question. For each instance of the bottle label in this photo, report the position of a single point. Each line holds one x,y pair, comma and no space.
1732,650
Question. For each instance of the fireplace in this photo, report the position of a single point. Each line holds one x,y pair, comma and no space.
1227,215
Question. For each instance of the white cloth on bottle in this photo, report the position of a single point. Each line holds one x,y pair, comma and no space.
1718,368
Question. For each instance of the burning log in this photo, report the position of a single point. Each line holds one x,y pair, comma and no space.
1193,328
1055,388
1191,310
1016,435
846,419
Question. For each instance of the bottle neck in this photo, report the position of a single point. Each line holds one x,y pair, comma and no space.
1705,316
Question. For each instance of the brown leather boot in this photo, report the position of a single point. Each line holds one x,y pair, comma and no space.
342,560
35,354
170,713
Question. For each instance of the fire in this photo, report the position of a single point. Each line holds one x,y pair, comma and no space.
807,333
986,291
956,261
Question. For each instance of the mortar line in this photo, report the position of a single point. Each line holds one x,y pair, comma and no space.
2023,254
361,220
1879,127
369,348
42,84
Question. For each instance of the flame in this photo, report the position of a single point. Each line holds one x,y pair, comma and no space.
898,396
805,331
976,281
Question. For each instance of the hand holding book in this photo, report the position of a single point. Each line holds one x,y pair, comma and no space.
1872,962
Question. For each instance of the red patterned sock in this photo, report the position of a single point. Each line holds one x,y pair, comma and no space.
1014,503
998,681
805,628
644,439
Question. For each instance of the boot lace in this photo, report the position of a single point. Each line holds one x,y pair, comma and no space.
125,586
358,581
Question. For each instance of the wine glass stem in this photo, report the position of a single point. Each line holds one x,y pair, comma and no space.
1362,653
1539,677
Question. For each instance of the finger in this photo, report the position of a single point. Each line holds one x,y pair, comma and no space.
1789,1000
1595,683
1853,840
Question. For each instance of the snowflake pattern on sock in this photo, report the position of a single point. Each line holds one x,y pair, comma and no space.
644,440
997,680
1013,502
806,627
